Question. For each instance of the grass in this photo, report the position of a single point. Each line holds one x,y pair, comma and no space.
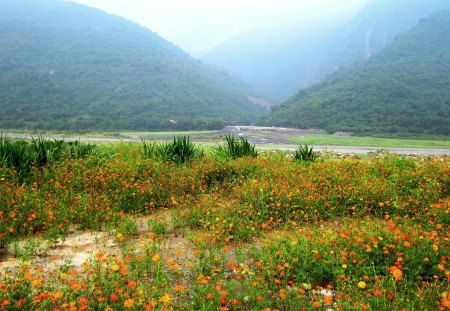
305,154
370,141
252,233
173,133
236,148
180,150
23,155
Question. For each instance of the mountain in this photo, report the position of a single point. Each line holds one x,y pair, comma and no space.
281,65
271,61
402,89
65,66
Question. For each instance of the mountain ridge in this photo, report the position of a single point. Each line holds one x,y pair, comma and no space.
311,56
67,66
402,89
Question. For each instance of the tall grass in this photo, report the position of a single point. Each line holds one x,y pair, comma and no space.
180,150
305,154
236,148
22,155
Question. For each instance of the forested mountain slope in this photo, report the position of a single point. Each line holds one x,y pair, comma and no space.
66,66
281,64
402,89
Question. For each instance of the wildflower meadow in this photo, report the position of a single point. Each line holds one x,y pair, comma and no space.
115,228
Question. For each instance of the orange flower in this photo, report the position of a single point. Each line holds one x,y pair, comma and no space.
317,304
282,294
445,302
396,273
150,306
114,297
129,303
131,284
179,288
20,303
156,258
377,292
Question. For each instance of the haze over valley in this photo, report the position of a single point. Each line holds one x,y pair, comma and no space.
368,67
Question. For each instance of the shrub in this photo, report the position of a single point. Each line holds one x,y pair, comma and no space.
236,148
305,154
180,150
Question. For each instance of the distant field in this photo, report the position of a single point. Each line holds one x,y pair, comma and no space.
166,133
370,141
284,139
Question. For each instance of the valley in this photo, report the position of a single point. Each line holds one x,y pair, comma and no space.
302,162
265,138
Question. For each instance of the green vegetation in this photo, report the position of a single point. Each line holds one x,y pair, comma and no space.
370,141
22,155
106,73
279,62
180,150
402,89
168,133
236,148
237,234
305,154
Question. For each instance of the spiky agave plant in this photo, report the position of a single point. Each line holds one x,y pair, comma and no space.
305,154
236,148
21,155
17,155
180,150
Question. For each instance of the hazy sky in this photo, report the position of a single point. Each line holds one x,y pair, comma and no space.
198,25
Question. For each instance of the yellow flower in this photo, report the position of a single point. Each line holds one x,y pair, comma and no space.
165,298
307,286
58,295
362,284
344,266
115,268
156,258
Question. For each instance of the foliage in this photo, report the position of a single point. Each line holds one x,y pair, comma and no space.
364,141
180,150
402,89
23,156
236,148
252,234
105,73
305,154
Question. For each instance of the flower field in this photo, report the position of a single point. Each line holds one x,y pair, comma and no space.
251,233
